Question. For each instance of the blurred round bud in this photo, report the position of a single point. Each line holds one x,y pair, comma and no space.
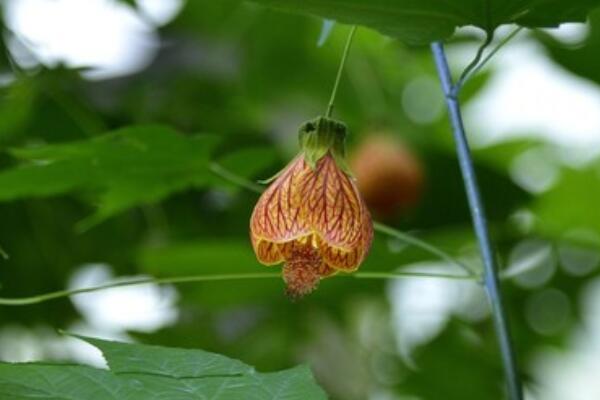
388,174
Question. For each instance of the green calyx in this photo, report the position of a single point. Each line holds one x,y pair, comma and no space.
320,136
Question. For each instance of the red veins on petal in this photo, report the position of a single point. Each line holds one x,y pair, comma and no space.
276,217
313,220
333,205
268,253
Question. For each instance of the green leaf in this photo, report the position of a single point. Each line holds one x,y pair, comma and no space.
122,169
125,358
424,21
150,372
582,59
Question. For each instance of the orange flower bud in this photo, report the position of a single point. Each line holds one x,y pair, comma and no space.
389,175
312,217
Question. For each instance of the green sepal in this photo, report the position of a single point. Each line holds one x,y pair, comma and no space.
322,135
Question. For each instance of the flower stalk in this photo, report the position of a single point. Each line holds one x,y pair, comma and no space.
336,84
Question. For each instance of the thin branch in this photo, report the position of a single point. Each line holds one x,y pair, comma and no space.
383,275
24,301
493,52
387,230
409,274
473,64
235,179
478,63
491,280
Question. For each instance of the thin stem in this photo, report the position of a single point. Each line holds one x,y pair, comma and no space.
235,179
473,64
491,281
493,52
379,227
24,301
478,63
409,274
134,282
340,70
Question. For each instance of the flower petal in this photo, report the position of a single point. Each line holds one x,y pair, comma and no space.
340,259
269,253
332,205
276,217
325,270
348,260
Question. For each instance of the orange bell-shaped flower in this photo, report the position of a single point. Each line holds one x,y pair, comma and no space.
312,217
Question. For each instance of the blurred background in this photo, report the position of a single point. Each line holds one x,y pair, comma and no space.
72,70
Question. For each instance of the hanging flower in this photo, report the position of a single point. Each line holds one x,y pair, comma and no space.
312,217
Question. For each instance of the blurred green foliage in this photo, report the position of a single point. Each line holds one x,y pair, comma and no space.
116,171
